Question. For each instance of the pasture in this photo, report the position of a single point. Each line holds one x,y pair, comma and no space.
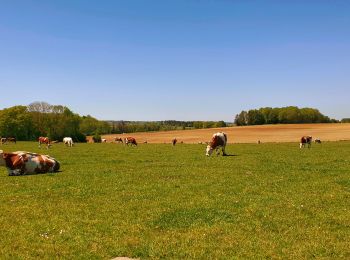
271,200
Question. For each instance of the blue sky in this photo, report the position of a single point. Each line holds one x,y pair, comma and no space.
183,60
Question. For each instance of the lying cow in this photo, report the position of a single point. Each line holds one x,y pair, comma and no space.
305,140
44,140
219,140
131,141
68,141
20,163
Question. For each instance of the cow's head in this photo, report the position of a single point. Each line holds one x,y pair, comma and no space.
209,150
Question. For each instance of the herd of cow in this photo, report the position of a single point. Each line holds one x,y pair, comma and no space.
21,162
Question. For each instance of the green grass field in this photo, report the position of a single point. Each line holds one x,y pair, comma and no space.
158,201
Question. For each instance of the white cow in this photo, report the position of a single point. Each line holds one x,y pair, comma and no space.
218,140
68,141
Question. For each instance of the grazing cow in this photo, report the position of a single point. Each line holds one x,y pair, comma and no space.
174,141
305,140
131,141
218,140
44,140
11,139
318,140
3,140
145,142
118,140
68,141
19,163
103,140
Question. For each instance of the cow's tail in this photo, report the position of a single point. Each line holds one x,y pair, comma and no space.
225,138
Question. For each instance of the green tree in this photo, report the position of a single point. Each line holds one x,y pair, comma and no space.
16,122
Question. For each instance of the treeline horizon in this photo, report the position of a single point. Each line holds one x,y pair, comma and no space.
282,115
58,121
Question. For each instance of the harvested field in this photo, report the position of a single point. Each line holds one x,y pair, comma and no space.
248,134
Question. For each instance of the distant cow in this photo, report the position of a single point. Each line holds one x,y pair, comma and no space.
3,140
103,140
68,141
318,140
8,139
19,163
44,140
174,141
305,140
118,140
131,141
219,140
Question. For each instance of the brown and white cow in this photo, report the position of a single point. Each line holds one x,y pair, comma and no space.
44,140
131,141
318,141
174,141
305,140
219,140
20,163
118,140
5,140
11,139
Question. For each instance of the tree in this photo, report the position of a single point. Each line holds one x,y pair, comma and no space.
241,118
220,124
255,117
16,122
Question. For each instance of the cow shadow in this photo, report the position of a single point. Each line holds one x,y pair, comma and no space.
36,173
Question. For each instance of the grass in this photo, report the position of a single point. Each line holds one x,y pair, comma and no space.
158,201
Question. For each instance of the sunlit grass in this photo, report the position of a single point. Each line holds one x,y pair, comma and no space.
159,201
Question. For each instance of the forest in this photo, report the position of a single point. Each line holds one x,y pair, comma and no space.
281,115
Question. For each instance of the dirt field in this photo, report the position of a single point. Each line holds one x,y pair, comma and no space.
247,134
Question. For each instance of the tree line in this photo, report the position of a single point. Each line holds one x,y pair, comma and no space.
57,121
42,119
283,115
119,127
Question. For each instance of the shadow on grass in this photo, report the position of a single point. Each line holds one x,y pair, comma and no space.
36,173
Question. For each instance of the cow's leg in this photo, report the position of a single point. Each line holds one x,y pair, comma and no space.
223,151
10,172
301,145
